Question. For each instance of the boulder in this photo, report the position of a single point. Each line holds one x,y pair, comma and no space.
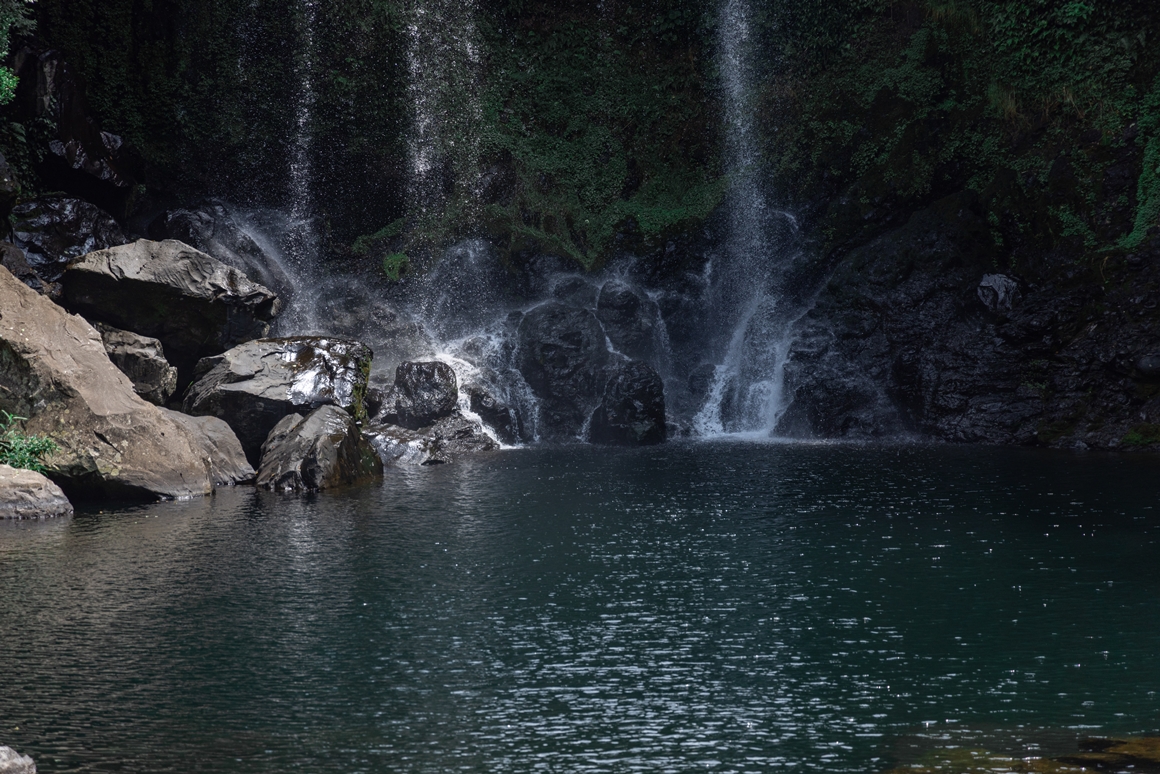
142,359
632,412
254,385
321,451
628,319
26,494
220,448
575,291
1149,365
194,304
12,762
54,231
423,393
499,416
212,228
54,370
443,442
562,354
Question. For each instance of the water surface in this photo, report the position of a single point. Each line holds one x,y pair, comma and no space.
700,607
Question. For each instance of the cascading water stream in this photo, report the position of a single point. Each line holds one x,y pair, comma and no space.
746,395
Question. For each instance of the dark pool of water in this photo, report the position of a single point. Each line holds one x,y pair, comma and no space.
720,607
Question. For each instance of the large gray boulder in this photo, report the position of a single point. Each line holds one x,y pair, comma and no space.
632,412
562,355
54,370
12,762
321,451
220,447
194,304
254,385
142,359
423,393
26,494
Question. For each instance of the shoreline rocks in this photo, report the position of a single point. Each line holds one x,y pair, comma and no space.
323,450
12,762
26,494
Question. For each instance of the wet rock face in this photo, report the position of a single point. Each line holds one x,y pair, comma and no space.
324,450
194,304
423,393
142,359
628,319
562,355
632,412
55,371
209,227
54,231
26,494
499,416
441,443
999,293
254,385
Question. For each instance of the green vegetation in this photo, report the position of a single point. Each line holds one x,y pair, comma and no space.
396,265
15,17
19,450
1143,435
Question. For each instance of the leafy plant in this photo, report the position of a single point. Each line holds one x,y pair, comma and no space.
20,450
395,266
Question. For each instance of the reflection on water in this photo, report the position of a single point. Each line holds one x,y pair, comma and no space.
726,607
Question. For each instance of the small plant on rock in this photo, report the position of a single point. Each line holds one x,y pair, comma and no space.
20,450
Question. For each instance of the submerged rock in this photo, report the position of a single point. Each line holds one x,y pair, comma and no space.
632,412
12,762
321,451
562,355
142,359
194,304
54,231
26,494
55,372
449,438
254,385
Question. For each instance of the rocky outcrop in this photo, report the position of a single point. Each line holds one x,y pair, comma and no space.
54,370
54,231
26,494
629,320
449,438
194,304
255,385
632,411
324,450
562,355
12,762
500,417
142,359
422,394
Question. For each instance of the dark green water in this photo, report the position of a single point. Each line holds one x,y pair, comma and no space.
713,607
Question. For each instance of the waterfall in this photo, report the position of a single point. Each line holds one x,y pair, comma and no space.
745,395
299,243
444,68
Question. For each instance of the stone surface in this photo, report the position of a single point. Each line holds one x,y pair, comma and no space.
321,451
499,416
26,494
254,385
999,293
194,304
220,448
212,228
54,370
632,411
443,442
562,355
423,393
54,231
629,319
12,762
142,359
